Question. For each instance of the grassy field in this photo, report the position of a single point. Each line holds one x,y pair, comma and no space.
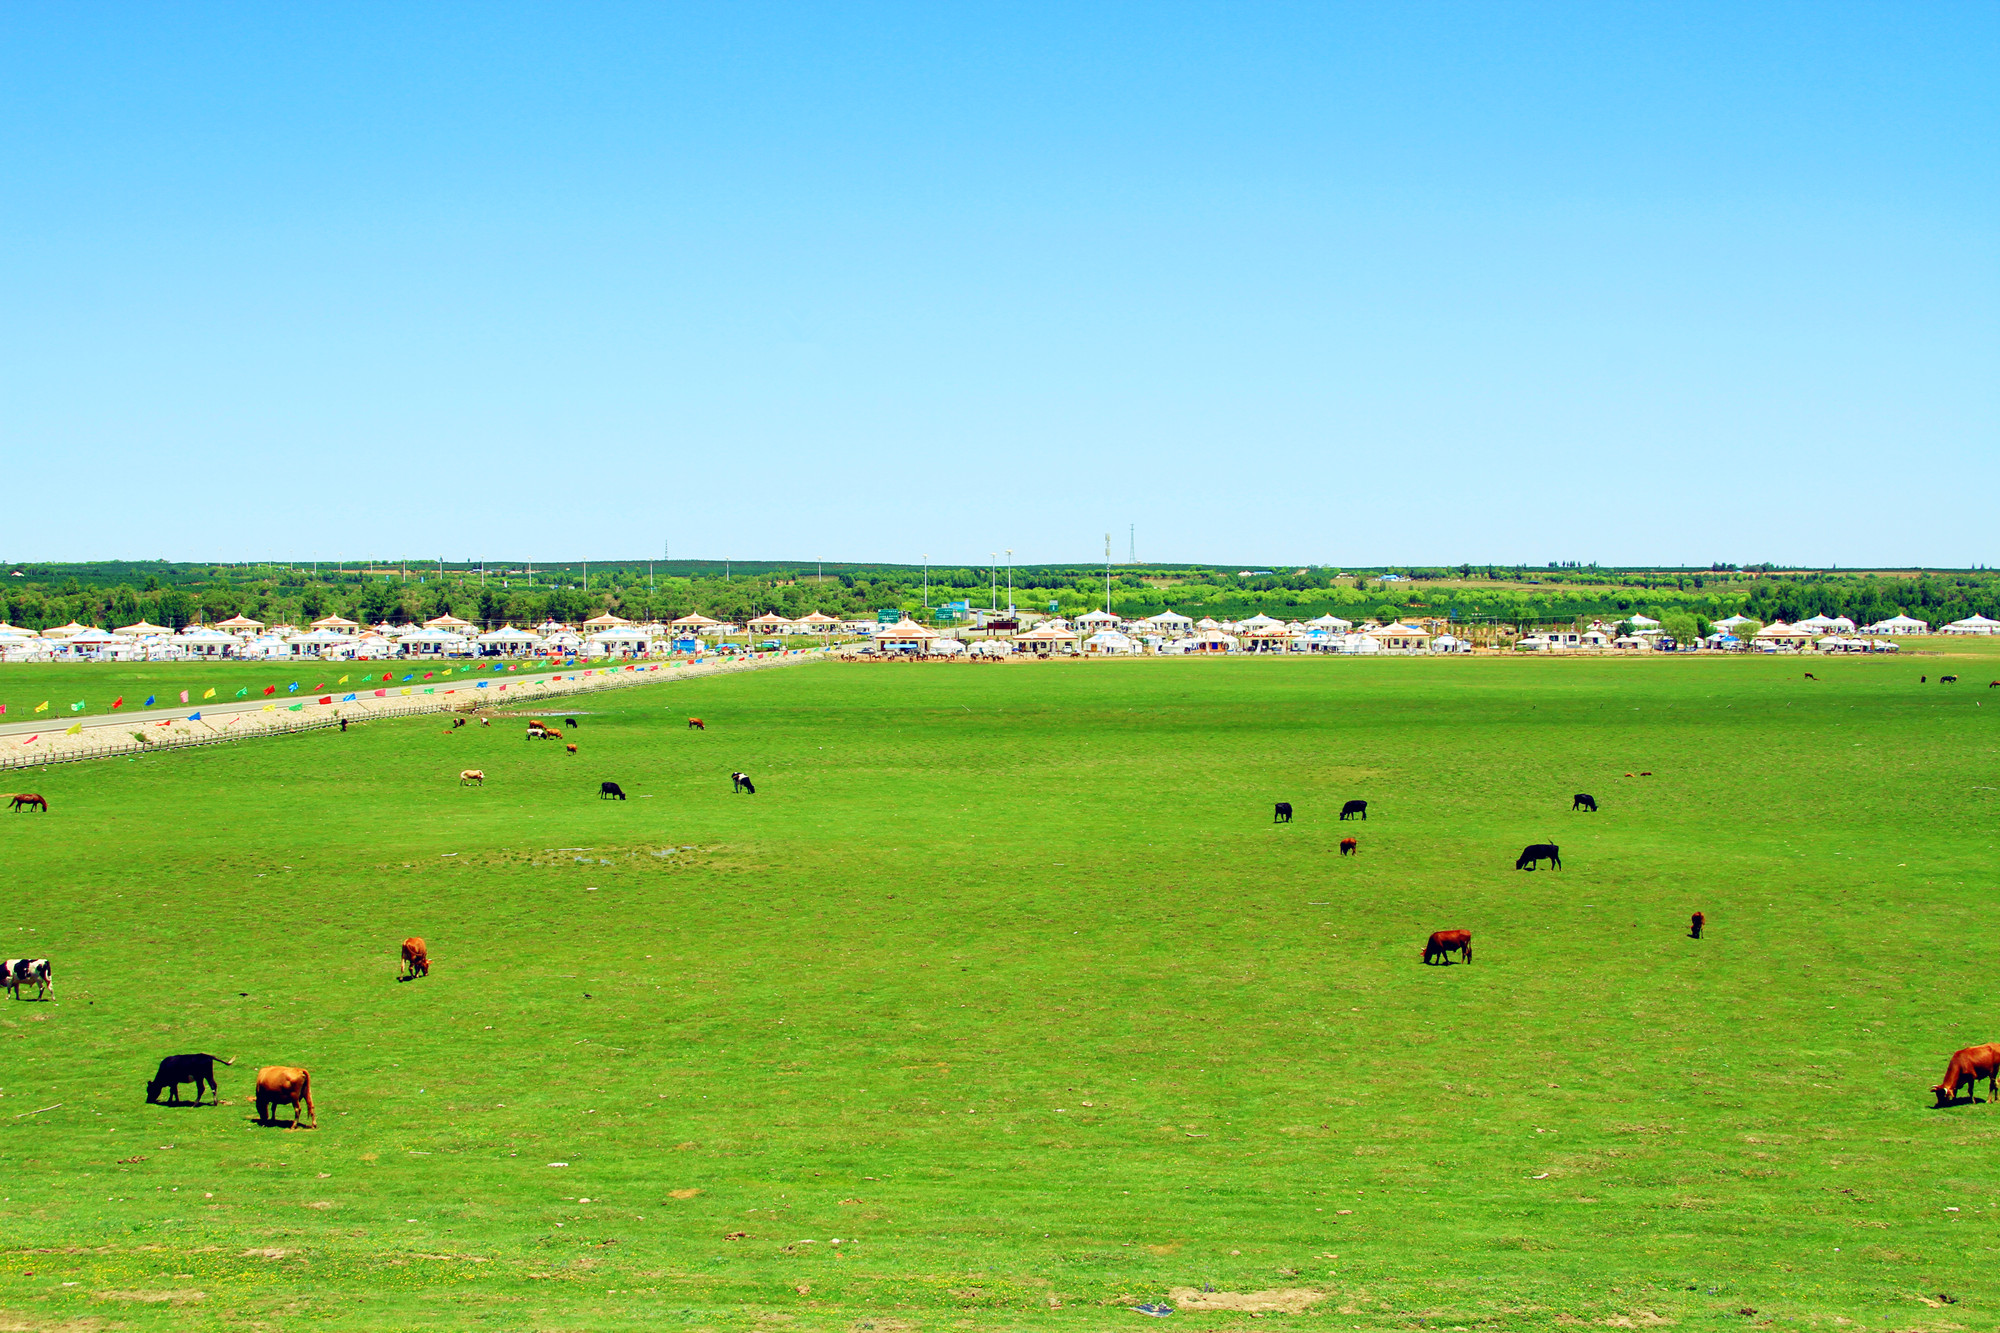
97,685
1006,979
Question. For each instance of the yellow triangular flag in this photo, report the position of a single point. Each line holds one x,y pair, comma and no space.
42,707
343,680
208,693
270,708
75,729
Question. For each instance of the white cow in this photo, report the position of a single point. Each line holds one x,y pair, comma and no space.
34,972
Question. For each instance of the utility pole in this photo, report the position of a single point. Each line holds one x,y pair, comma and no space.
1107,573
927,583
1132,545
993,581
1010,580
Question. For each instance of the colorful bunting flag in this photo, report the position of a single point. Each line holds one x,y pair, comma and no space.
149,700
184,695
32,739
404,690
386,675
341,681
239,694
194,717
292,688
326,698
208,693
119,702
76,707
380,693
347,698
42,707
270,690
270,708
75,729
295,708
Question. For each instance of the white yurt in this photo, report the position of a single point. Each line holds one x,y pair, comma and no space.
1109,642
1974,624
1899,624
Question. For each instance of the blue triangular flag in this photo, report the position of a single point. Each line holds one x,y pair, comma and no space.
194,717
347,698
149,701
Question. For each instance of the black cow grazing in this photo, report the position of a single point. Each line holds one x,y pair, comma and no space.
1353,808
1583,800
605,789
741,782
571,722
1947,680
178,1069
1811,676
18,972
1923,680
1281,813
1539,851
1695,923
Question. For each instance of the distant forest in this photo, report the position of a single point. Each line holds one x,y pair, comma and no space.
113,593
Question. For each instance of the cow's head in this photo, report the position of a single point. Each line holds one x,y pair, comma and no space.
1945,1096
153,1092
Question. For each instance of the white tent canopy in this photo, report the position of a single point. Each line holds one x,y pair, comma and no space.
1899,624
1974,624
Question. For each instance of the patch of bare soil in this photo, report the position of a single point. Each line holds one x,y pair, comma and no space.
1290,1300
182,1296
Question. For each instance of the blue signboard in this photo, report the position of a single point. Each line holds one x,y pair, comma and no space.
961,606
888,615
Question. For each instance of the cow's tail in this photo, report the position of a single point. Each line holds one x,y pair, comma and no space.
217,1057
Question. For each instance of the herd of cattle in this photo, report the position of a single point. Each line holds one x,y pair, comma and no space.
283,1085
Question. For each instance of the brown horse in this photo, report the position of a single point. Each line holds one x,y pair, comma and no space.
28,798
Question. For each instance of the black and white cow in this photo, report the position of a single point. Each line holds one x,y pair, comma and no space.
34,972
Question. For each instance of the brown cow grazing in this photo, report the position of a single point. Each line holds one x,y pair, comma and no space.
1446,942
570,748
27,798
1695,924
1349,846
1811,676
281,1085
1966,1069
472,776
416,959
457,724
696,724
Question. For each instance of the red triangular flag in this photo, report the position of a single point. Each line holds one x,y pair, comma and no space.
119,702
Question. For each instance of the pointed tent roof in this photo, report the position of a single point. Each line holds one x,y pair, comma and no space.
905,628
143,627
1731,622
606,621
1045,634
64,631
1098,618
1207,623
1637,619
1330,621
1169,617
1778,629
240,622
1261,621
447,621
334,622
816,618
1974,622
694,620
1395,630
770,620
1902,623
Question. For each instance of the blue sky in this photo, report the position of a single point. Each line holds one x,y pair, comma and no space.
1284,284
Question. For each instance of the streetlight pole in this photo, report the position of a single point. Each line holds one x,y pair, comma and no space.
993,579
927,583
1010,580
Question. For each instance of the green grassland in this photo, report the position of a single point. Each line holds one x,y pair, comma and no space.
1006,979
98,685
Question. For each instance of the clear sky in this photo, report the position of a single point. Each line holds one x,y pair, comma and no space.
1322,283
